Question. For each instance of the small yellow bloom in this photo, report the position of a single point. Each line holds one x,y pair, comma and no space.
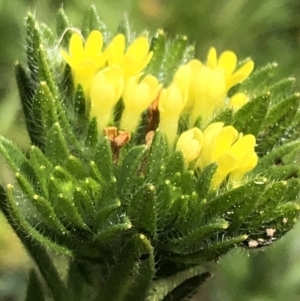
85,60
190,143
209,91
227,62
171,102
136,57
137,96
233,152
106,90
237,101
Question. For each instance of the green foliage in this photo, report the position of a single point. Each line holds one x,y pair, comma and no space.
139,214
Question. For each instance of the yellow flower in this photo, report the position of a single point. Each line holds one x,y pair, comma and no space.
106,90
85,60
233,152
171,102
209,91
237,101
227,62
136,57
137,96
190,143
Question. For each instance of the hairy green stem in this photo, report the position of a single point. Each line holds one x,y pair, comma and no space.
38,253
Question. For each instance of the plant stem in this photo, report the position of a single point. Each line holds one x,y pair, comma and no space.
38,253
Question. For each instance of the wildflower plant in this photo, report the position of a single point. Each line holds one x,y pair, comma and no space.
145,162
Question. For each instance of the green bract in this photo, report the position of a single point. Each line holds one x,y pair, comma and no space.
136,223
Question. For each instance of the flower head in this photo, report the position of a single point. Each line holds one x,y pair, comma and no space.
209,91
227,62
85,60
106,90
233,152
134,59
190,143
171,102
137,96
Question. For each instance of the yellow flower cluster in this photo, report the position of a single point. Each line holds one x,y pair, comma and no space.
107,75
233,152
200,90
197,90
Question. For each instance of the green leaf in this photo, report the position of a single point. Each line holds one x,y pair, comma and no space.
130,170
79,107
275,157
187,184
61,193
43,110
224,116
91,21
35,291
196,234
267,203
56,145
76,167
187,289
142,209
27,228
282,172
284,217
109,233
175,164
282,87
173,57
144,279
260,77
92,134
104,211
17,161
124,28
136,256
157,157
204,181
33,42
164,286
158,47
26,91
249,118
63,27
213,251
103,159
42,205
277,122
164,203
244,194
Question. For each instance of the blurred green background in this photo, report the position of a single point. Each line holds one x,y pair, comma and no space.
266,30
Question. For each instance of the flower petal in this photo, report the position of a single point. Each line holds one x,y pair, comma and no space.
116,49
212,58
227,61
94,44
240,75
76,49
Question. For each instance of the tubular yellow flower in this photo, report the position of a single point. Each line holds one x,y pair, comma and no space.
171,102
106,90
227,62
209,91
136,57
137,96
233,152
190,144
85,60
237,101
